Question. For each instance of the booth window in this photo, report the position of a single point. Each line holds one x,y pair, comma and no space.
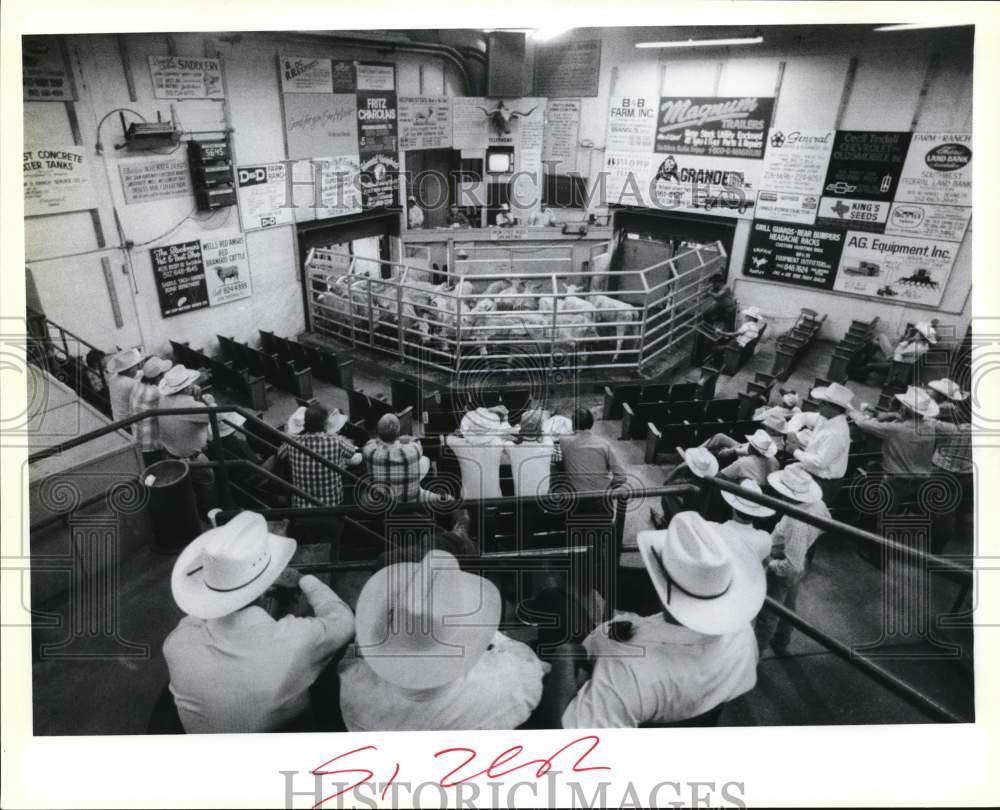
564,191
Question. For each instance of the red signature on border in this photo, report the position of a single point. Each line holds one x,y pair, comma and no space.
496,769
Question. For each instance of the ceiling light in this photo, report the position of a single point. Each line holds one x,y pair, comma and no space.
543,34
912,26
702,43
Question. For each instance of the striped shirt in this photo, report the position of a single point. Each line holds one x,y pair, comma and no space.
145,397
396,464
312,475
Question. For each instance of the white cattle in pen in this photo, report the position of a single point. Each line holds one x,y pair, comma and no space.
623,316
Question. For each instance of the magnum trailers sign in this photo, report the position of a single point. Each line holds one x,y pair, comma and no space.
712,126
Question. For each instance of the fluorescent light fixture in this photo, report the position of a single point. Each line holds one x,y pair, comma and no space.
702,43
543,34
913,26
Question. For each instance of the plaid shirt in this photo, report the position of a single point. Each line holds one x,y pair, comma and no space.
145,397
953,451
311,475
396,464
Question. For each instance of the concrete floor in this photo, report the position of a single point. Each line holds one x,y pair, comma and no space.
106,683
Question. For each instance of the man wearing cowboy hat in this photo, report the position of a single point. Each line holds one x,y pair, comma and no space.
825,458
696,462
308,473
947,395
695,655
122,373
751,327
788,407
758,462
233,668
429,654
726,448
915,343
504,219
952,457
415,214
791,541
479,445
745,511
185,436
145,396
909,441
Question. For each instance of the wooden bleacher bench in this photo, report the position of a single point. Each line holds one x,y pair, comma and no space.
665,438
247,389
793,345
323,364
279,372
635,417
736,356
615,397
850,346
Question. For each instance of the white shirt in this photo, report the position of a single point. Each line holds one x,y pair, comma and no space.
247,672
829,446
499,692
664,674
531,466
120,393
747,332
479,458
759,540
909,351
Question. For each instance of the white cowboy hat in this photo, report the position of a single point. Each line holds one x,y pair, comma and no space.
504,207
700,461
422,625
796,482
950,389
226,568
177,379
834,393
745,506
297,421
790,399
557,425
124,360
706,583
761,441
155,366
228,422
919,401
482,424
927,330
753,312
773,421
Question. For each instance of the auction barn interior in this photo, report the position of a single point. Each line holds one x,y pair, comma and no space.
619,374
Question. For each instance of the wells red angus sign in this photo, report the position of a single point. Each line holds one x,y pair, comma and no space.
714,126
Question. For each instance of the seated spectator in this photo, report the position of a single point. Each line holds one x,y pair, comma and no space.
429,654
750,329
745,512
457,218
145,396
311,475
186,436
504,218
827,447
95,370
696,462
947,395
952,460
590,461
397,462
788,406
725,448
757,463
555,426
233,668
721,313
530,452
915,343
790,544
696,655
479,446
415,214
123,371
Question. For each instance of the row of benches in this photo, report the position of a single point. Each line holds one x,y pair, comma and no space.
324,365
283,374
852,345
636,417
792,346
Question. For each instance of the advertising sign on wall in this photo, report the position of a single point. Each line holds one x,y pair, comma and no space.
895,268
340,186
947,222
866,165
632,123
344,80
795,161
938,169
180,277
379,180
149,179
376,121
716,126
227,271
568,69
186,77
561,136
57,180
777,205
424,122
793,254
321,124
724,187
869,215
627,178
262,192
44,74
306,74
375,76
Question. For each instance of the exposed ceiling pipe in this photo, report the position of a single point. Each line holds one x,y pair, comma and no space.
446,52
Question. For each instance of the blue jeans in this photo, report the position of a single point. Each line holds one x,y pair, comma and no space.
769,627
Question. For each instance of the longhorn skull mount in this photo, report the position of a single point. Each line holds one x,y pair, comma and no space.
501,117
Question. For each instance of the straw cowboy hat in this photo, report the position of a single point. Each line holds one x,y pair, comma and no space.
834,393
744,506
297,421
790,399
761,441
422,625
482,424
950,389
125,360
919,401
700,461
753,312
226,568
154,367
228,422
177,379
774,421
795,482
705,582
927,330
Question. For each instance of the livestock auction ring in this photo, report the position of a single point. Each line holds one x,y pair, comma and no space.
524,314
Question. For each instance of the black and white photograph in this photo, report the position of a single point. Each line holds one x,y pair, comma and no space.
607,386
